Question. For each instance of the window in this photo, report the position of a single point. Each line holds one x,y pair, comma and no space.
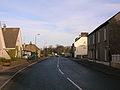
105,36
96,54
93,39
105,54
98,36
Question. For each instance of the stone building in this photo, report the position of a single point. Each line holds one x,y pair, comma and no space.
104,41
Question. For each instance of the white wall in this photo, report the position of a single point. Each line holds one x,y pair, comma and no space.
2,43
81,46
19,40
4,54
19,43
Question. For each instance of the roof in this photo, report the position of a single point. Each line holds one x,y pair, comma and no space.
83,34
10,36
30,47
104,24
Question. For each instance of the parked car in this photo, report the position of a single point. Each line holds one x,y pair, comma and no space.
25,56
32,57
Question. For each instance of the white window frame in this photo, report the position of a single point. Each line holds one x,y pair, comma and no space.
98,36
105,34
93,38
105,52
96,53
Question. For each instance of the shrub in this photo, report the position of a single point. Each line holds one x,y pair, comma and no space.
1,58
12,53
6,60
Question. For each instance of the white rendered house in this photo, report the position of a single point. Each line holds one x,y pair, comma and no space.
80,45
10,41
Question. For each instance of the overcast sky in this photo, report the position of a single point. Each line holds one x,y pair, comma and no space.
57,21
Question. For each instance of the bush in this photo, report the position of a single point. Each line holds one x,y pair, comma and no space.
6,60
12,53
2,59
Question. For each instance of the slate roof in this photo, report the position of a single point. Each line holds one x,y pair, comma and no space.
105,23
10,36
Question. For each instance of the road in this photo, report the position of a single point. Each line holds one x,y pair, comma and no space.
58,73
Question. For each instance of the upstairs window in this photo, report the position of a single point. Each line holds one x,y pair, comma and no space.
98,36
105,52
105,34
93,39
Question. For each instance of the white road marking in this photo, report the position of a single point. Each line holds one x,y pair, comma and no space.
57,66
61,71
67,77
74,83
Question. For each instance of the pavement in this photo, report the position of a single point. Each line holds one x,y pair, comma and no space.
14,64
102,67
58,73
7,73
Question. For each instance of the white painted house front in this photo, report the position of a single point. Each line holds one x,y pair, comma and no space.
80,45
10,39
3,53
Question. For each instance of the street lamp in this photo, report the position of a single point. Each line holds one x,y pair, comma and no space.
45,49
35,44
36,38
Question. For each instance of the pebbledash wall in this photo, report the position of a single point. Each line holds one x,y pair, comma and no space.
104,41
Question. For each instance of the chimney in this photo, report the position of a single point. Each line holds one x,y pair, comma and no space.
30,43
84,34
4,27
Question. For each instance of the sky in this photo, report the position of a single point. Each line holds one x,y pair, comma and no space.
57,21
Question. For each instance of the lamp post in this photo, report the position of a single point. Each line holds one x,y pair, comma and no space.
36,38
35,44
45,49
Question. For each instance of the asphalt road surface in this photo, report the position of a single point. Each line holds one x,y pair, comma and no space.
58,73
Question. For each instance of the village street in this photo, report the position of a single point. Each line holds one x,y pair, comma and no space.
58,73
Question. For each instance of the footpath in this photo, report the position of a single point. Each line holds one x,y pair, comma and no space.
7,73
102,67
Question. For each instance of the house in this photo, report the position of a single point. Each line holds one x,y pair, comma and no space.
80,46
31,49
10,42
104,41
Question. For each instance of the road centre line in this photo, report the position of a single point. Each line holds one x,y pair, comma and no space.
61,71
74,83
67,77
57,66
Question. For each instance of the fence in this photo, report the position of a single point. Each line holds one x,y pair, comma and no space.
116,58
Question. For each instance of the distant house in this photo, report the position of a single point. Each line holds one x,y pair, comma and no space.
31,49
10,42
80,46
104,41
